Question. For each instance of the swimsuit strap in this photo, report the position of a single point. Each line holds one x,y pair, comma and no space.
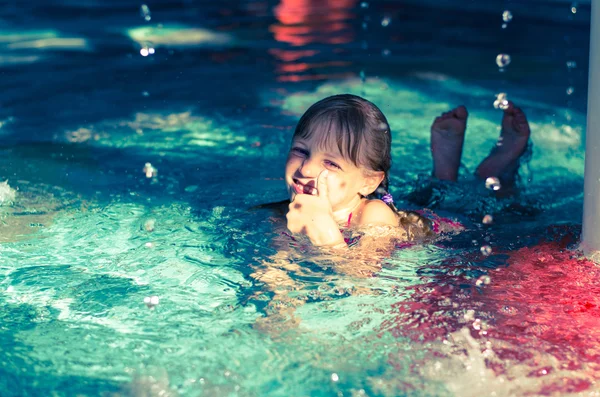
349,219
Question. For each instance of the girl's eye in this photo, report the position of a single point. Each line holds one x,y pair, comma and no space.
299,151
332,164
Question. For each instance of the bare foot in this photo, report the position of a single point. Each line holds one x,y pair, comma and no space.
447,137
503,161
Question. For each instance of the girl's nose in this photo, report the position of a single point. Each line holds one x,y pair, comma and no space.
310,168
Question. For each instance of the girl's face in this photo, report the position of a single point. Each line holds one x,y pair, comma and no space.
308,158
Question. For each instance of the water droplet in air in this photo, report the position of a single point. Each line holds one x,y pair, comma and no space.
364,26
386,52
488,220
503,60
146,94
486,250
483,280
335,377
504,26
149,170
492,183
148,245
146,50
362,75
501,102
364,4
574,8
477,324
145,12
151,301
507,16
570,90
386,21
571,64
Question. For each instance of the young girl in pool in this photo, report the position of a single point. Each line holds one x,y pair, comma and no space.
337,178
337,169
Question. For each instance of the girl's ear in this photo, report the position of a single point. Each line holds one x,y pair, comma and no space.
372,181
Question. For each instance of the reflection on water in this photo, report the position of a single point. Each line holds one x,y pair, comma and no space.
308,23
26,47
178,36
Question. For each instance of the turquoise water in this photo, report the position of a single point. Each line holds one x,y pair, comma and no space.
88,239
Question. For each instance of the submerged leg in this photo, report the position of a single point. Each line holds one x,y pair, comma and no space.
447,138
503,161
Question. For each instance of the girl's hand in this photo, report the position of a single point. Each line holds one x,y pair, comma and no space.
311,214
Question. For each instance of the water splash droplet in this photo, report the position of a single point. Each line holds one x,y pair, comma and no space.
146,49
362,76
386,21
571,64
507,16
504,26
501,101
574,8
570,90
145,93
364,25
492,183
385,52
503,60
364,4
483,280
486,250
145,12
149,170
488,220
335,377
151,301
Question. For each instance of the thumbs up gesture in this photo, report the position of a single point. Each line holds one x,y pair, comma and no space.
312,215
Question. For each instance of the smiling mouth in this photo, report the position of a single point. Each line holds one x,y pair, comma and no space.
300,188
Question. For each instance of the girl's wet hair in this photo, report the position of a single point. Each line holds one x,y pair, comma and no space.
362,134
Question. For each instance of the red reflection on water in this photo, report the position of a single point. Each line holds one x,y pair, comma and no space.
297,78
306,22
302,67
312,21
291,55
541,312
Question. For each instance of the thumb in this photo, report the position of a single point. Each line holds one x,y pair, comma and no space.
322,188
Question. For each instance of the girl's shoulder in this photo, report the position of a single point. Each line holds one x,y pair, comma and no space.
377,212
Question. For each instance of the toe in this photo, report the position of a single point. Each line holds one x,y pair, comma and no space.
461,112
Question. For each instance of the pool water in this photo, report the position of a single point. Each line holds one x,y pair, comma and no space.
116,281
